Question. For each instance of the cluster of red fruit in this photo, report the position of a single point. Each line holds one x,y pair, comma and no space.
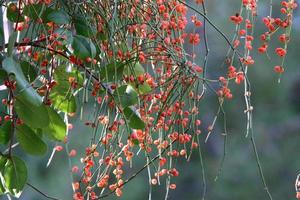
276,25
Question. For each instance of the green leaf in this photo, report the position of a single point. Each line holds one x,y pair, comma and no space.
66,33
82,28
135,70
11,43
56,16
24,88
39,132
29,71
3,161
34,116
3,75
28,103
15,175
5,132
62,94
57,128
13,13
83,47
144,88
112,72
126,96
62,88
62,76
34,11
102,36
133,119
32,30
2,189
29,141
136,142
65,104
3,108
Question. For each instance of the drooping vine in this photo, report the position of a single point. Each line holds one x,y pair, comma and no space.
134,61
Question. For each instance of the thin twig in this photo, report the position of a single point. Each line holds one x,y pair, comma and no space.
42,193
259,166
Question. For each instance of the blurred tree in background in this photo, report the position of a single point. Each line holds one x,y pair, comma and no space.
81,60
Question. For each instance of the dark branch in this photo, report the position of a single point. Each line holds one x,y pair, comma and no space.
42,193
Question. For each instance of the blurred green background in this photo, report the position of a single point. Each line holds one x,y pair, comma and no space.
276,129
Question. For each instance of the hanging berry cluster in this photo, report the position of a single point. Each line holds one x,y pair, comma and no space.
281,26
